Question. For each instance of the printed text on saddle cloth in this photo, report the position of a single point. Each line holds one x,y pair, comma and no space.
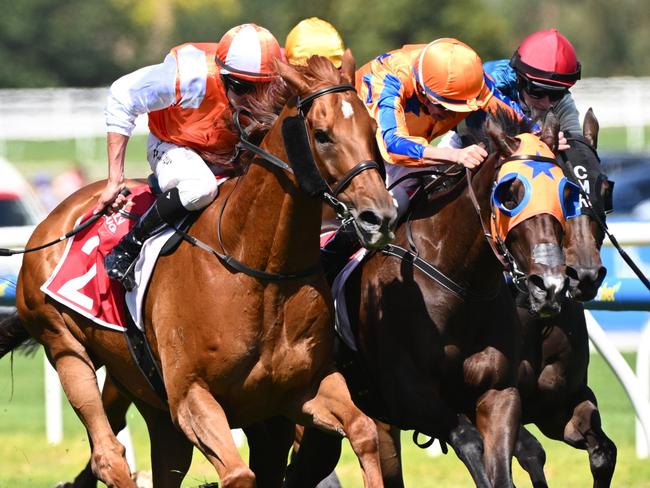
80,282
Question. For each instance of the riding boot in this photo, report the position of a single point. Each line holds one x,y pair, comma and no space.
336,253
166,209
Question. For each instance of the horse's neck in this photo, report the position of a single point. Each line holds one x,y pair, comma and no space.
454,239
268,222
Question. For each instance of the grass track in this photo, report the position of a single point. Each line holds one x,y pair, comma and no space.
27,461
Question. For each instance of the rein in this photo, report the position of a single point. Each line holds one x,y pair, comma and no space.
75,230
568,167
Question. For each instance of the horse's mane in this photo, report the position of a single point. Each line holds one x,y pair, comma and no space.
266,104
267,101
509,123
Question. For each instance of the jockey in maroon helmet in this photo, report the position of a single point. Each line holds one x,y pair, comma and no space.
539,76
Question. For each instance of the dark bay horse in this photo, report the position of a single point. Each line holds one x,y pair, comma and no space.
555,350
428,351
555,355
233,349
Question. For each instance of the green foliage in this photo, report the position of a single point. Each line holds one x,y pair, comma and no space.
81,43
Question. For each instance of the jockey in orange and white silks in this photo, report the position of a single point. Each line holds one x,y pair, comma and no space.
188,99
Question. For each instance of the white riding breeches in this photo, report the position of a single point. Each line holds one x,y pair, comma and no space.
181,167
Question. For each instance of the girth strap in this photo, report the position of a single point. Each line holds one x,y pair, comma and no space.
144,358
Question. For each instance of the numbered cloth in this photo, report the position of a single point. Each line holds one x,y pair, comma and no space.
79,280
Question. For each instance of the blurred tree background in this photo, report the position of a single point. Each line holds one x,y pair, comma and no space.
82,43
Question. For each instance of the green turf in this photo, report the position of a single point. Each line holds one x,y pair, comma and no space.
28,461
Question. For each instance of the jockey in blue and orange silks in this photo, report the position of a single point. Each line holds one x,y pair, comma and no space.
420,92
416,94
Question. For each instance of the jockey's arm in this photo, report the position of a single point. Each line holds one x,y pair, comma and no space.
116,145
470,156
143,91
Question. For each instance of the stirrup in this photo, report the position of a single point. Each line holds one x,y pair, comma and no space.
114,270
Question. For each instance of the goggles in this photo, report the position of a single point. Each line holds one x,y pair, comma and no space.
539,90
239,87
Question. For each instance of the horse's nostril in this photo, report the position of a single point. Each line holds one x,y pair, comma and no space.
370,218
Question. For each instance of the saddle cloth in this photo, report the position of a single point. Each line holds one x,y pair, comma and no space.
79,280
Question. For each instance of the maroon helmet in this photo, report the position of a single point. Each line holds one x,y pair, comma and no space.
548,59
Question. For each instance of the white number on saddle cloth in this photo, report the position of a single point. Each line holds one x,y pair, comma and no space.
70,289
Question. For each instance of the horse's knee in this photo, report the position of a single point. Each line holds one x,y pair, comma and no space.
363,436
551,380
488,369
239,477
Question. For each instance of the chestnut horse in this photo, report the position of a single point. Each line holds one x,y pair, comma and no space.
426,350
233,349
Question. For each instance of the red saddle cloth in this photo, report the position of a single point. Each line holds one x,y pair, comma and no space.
79,280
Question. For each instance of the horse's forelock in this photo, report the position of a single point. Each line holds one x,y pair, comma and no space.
511,126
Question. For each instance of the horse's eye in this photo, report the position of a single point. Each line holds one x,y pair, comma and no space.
322,137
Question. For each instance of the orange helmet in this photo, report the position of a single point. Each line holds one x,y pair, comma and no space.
450,73
311,37
247,52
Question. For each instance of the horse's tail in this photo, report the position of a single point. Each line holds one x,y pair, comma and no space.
13,335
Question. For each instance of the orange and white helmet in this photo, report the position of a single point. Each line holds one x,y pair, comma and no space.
450,73
247,52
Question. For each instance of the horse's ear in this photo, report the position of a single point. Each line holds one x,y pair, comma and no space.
348,67
590,128
550,131
505,144
291,76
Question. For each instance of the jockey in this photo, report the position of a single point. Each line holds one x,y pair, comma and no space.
539,76
416,94
312,37
189,99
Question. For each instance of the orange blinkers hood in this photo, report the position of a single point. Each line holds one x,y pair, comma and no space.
544,188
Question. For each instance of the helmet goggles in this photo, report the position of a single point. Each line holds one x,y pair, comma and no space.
538,90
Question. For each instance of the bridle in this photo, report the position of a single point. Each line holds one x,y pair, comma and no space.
498,245
299,152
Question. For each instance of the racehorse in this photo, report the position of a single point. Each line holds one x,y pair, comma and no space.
238,340
427,348
555,356
555,350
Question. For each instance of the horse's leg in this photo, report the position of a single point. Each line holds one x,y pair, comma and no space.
467,443
171,452
315,459
269,443
333,411
498,415
77,374
390,449
579,426
532,457
202,419
115,406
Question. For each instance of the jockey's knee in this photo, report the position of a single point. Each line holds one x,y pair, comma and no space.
198,194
